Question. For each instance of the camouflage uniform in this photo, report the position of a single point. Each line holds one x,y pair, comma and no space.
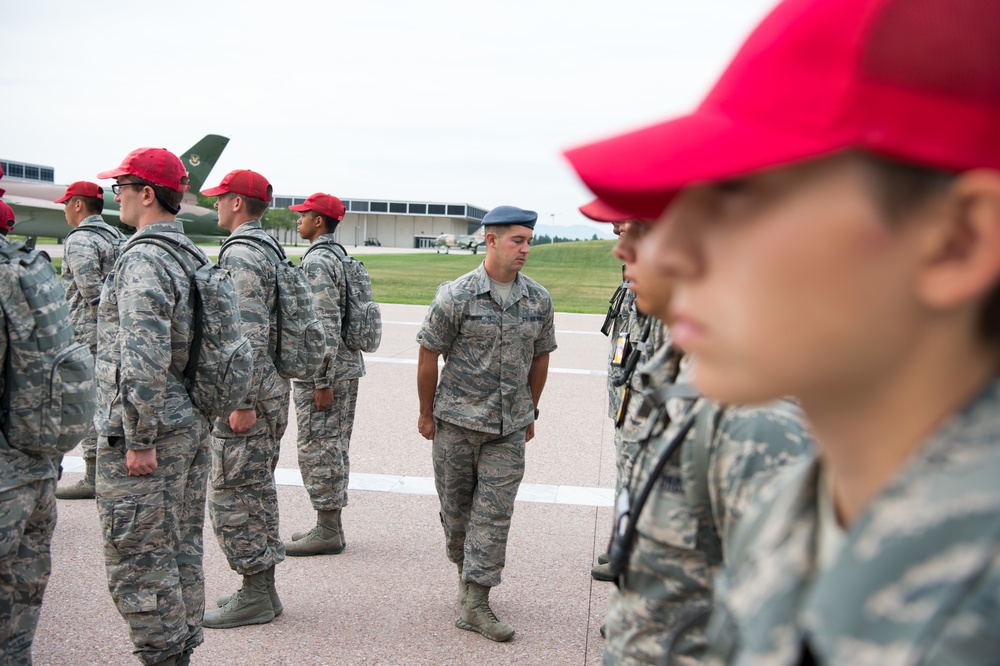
482,407
916,580
629,432
683,530
88,257
152,524
27,520
243,500
324,436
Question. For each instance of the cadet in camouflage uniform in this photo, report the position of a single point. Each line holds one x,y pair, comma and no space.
152,447
27,520
495,328
325,405
847,252
634,340
89,254
697,496
242,498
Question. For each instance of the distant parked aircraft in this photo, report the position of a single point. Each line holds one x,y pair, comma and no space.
37,215
471,242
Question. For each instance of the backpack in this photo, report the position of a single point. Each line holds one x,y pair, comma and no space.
49,394
117,241
361,325
219,370
301,341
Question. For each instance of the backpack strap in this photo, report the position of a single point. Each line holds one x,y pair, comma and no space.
331,247
254,241
106,234
172,246
696,459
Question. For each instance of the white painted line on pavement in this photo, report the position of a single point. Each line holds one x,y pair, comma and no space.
424,485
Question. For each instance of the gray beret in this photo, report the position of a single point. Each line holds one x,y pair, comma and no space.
503,215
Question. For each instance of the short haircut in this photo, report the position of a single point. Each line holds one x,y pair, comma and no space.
173,198
497,229
93,205
255,207
328,222
900,190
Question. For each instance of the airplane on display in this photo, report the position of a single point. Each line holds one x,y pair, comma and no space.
471,242
37,216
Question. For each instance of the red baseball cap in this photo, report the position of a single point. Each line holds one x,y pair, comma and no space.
6,217
242,181
324,204
913,80
158,166
81,188
599,211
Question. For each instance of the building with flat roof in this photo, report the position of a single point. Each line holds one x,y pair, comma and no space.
35,173
398,223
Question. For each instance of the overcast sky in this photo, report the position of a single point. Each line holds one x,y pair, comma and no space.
440,100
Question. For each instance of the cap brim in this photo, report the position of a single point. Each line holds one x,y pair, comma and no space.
299,208
113,173
64,198
638,173
598,211
214,191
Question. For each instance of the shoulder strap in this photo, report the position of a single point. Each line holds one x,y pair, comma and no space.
169,244
254,241
697,491
106,234
326,245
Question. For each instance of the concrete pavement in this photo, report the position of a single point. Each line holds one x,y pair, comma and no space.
390,597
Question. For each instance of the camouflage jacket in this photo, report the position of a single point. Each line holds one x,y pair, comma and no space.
16,467
253,270
326,275
488,350
143,342
916,581
683,530
658,365
88,257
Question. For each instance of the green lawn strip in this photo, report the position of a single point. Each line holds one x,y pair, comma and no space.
580,276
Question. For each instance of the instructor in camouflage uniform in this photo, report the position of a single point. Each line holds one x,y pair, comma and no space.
325,405
152,447
89,254
242,499
495,328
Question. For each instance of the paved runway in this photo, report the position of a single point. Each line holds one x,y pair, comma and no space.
390,597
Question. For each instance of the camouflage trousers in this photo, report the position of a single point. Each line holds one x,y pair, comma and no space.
477,476
242,498
324,442
27,520
153,544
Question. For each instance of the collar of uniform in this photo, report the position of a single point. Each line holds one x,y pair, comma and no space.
92,221
162,225
484,284
326,238
246,228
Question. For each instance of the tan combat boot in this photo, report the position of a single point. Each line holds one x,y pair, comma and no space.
324,539
272,592
82,489
340,528
477,615
250,605
602,572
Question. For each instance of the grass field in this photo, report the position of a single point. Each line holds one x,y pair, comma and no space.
580,276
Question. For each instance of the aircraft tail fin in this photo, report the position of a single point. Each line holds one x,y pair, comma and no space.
201,157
